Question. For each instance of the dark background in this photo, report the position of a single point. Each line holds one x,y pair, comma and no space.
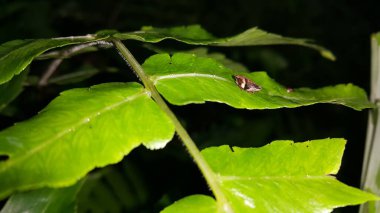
161,177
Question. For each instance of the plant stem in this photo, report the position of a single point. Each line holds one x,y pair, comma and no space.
370,171
209,175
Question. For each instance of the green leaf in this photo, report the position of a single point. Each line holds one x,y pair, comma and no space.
78,131
195,34
10,90
16,55
219,57
202,52
200,203
185,78
282,176
44,200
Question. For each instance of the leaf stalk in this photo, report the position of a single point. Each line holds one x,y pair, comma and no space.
209,175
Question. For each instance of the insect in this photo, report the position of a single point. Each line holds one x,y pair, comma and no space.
289,90
246,84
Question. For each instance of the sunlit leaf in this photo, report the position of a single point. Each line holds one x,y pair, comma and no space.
202,52
200,203
185,78
195,34
219,57
282,176
78,131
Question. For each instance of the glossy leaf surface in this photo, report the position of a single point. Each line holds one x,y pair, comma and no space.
282,176
78,131
202,204
46,200
185,78
195,34
219,57
202,52
16,55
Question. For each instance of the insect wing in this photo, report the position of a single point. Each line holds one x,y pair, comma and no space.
246,84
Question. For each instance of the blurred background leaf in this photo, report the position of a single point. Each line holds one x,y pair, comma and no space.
57,200
119,188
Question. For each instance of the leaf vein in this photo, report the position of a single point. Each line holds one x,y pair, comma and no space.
65,131
186,75
298,177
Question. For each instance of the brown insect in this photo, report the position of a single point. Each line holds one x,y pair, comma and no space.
289,90
246,84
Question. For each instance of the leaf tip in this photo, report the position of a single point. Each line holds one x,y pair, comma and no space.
155,145
328,54
147,28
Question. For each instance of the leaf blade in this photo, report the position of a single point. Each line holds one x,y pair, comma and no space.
16,55
43,200
204,204
195,34
293,175
74,129
185,78
282,176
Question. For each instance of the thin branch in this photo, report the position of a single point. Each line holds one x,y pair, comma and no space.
49,72
60,55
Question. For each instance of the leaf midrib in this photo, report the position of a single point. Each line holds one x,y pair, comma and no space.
65,131
296,100
278,177
156,78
